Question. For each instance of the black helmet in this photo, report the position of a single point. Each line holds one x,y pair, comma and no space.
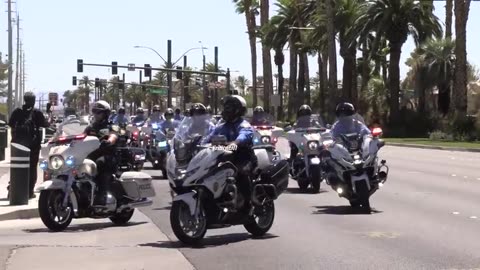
304,110
101,106
344,109
156,108
29,98
121,110
177,111
234,106
198,109
140,111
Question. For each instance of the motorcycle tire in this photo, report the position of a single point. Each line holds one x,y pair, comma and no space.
254,227
364,197
176,213
45,206
164,174
316,178
303,184
122,218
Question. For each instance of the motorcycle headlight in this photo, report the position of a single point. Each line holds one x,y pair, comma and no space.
255,140
312,145
44,165
162,144
70,161
56,162
265,140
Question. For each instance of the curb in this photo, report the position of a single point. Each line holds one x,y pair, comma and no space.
20,214
422,146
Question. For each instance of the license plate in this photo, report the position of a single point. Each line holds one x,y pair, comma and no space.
145,187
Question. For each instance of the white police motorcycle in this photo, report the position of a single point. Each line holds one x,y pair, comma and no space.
71,191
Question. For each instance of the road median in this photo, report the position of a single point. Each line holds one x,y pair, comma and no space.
436,145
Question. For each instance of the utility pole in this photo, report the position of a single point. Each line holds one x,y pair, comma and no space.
20,75
10,60
123,91
206,101
185,84
169,74
215,93
17,69
23,72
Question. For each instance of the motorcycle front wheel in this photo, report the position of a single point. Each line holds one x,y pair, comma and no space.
56,217
187,228
316,178
122,218
262,220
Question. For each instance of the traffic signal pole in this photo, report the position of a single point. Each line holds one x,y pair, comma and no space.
123,91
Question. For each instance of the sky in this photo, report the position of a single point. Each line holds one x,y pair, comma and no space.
56,33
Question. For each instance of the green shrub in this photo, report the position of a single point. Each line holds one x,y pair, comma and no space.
464,129
440,136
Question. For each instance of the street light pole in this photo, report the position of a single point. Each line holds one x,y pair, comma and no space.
169,74
204,83
10,61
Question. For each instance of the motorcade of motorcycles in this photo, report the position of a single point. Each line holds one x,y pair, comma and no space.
264,140
203,179
305,167
353,169
130,158
71,190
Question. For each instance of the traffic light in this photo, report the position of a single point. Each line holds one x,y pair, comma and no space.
114,68
121,85
148,70
49,107
74,80
179,73
97,82
79,65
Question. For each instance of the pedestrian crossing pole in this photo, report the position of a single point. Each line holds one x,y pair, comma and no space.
19,174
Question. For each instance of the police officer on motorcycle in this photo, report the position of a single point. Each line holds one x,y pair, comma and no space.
201,122
169,122
104,156
178,116
346,121
140,116
120,118
304,120
156,116
240,134
259,117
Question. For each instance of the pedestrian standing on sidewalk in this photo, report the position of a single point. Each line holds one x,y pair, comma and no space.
25,123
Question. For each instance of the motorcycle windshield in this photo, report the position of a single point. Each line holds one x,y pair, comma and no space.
189,134
69,128
263,121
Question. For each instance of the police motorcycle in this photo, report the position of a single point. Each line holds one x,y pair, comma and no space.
130,158
158,146
137,130
306,166
265,138
353,169
206,193
71,190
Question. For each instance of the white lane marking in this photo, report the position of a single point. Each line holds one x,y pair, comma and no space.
478,179
454,175
473,217
456,213
465,177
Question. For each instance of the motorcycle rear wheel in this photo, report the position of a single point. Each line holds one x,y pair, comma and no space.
303,184
50,208
265,215
181,220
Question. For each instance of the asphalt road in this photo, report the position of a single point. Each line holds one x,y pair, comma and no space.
427,216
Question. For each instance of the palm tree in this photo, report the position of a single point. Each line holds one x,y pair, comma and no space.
396,20
250,9
448,18
241,84
332,52
462,8
86,90
266,57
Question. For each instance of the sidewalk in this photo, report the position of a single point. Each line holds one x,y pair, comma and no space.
87,244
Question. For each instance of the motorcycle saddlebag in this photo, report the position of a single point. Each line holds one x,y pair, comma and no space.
277,174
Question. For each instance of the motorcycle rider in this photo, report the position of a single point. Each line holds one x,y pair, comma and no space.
201,122
113,114
140,116
178,116
120,118
347,122
104,156
240,135
304,120
156,116
259,117
169,122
